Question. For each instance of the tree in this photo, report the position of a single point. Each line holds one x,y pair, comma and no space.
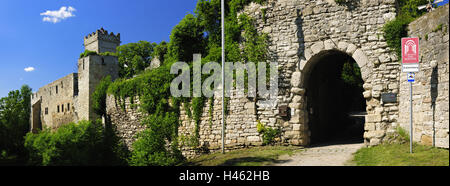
134,57
15,121
186,39
160,51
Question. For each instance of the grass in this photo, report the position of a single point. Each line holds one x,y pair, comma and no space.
256,156
398,155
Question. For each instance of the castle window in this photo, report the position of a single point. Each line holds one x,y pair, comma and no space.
68,106
46,110
56,89
62,108
83,64
57,108
103,61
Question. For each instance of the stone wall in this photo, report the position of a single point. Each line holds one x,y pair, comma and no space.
125,120
431,88
53,104
300,32
240,127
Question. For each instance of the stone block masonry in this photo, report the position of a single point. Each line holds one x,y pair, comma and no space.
431,88
125,120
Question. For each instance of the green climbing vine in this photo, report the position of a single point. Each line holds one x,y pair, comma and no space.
162,110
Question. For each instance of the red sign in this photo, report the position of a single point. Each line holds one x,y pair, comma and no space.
410,50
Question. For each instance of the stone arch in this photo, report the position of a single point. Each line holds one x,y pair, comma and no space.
312,56
320,47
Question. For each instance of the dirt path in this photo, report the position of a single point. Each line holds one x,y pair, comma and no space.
323,155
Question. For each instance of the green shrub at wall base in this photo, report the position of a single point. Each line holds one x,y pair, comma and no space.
83,143
150,149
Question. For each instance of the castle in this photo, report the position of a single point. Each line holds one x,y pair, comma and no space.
310,40
69,99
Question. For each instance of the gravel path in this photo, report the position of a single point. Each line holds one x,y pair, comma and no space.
322,155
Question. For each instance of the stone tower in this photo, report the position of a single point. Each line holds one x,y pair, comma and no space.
92,68
100,41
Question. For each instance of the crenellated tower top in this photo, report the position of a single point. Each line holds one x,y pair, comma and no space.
101,41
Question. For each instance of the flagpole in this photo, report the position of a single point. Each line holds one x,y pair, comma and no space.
223,74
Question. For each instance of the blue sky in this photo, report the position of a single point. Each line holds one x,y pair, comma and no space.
45,37
52,49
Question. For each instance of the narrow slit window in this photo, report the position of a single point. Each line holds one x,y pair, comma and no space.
46,110
62,108
68,106
56,89
57,109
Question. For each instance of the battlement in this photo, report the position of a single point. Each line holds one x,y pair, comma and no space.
103,35
102,41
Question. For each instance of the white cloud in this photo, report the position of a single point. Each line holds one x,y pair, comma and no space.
29,69
56,16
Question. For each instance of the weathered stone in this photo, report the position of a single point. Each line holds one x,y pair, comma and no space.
296,127
329,44
384,58
317,47
295,79
296,99
367,94
342,46
267,30
291,53
253,138
351,49
360,58
373,118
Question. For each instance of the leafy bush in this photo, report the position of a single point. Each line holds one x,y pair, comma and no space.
268,133
396,29
87,53
15,121
108,54
81,143
99,96
134,58
150,149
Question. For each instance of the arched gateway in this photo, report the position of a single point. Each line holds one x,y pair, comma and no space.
334,104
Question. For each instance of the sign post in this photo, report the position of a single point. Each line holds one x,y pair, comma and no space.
410,64
222,7
411,78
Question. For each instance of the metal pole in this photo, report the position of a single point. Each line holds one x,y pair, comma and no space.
223,74
410,118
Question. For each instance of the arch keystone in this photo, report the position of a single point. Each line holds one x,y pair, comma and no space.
342,46
329,44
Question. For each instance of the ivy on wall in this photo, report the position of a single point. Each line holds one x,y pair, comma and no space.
196,33
395,30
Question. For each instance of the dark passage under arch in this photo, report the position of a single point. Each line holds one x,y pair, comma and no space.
335,102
